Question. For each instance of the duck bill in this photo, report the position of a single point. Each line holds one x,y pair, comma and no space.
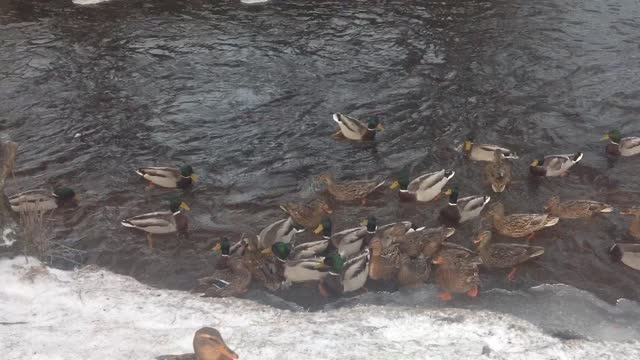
267,251
217,248
194,178
395,185
467,145
380,127
438,260
448,192
606,137
223,350
76,199
364,222
183,205
319,229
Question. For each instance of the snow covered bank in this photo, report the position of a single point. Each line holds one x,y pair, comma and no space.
94,314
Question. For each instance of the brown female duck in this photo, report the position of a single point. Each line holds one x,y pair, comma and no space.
349,191
520,225
498,172
455,275
424,241
634,227
207,345
307,215
504,255
575,209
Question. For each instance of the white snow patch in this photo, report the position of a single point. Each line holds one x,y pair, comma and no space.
8,237
95,314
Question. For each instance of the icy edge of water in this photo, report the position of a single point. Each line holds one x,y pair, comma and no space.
95,314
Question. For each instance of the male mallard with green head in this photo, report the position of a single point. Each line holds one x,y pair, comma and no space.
504,255
345,275
425,187
299,268
42,200
348,191
619,146
207,345
575,209
354,129
351,241
161,222
168,177
484,152
520,225
461,210
554,165
498,172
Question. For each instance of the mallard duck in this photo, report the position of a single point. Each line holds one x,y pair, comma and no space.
227,250
554,165
280,231
232,277
498,172
207,345
285,251
619,146
42,200
345,275
504,255
302,263
628,254
168,177
424,241
456,275
484,152
520,225
634,227
350,190
462,210
265,269
161,222
354,129
575,209
457,253
307,215
413,271
349,242
384,263
391,233
423,188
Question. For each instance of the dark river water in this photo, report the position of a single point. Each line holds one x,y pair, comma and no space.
245,95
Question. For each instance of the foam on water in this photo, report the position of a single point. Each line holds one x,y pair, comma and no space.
94,314
88,2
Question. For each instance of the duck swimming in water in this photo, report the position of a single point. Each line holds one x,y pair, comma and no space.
619,146
168,177
354,129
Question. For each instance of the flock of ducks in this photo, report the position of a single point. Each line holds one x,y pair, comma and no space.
343,261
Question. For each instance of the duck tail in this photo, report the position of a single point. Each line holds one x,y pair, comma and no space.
140,171
536,251
551,220
577,157
336,118
126,223
379,185
486,200
613,248
449,174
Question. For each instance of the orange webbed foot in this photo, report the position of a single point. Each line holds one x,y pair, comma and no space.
473,292
445,296
512,275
